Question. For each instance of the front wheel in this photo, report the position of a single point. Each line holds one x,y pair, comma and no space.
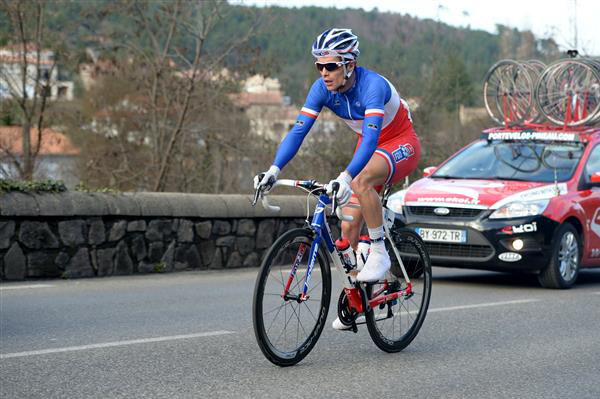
394,324
286,324
563,268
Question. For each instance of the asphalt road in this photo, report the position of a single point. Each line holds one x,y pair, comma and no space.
189,335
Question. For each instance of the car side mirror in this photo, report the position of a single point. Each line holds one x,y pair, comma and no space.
595,179
428,171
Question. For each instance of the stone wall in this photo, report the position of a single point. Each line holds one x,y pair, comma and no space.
75,234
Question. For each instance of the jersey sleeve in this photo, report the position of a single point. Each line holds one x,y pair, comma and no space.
374,100
306,118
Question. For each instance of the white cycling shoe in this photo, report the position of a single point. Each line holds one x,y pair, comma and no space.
377,264
338,325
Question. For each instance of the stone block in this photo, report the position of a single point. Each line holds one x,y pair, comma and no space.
168,257
246,227
266,231
138,247
72,232
37,235
158,230
244,245
15,267
207,252
252,260
42,264
97,234
155,251
234,260
203,229
217,259
185,231
136,225
61,260
123,263
7,230
192,258
79,265
221,227
105,261
227,241
117,231
145,267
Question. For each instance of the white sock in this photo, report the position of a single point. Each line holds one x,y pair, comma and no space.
376,236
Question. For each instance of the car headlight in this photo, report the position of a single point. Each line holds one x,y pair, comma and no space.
395,205
520,209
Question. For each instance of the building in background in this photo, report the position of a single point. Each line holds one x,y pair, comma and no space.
12,62
56,159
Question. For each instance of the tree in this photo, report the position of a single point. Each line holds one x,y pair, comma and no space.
173,82
29,88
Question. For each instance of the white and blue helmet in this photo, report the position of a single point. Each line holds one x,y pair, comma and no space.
336,43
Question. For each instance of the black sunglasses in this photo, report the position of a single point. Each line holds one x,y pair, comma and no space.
330,66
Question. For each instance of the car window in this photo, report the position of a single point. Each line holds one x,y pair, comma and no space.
593,162
523,160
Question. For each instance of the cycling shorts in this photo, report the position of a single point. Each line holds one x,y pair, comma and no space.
401,153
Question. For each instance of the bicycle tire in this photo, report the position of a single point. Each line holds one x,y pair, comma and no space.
406,321
268,301
566,84
508,92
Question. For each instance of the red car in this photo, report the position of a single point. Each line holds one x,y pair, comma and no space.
520,199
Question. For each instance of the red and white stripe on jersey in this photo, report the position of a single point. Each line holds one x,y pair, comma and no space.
374,112
309,112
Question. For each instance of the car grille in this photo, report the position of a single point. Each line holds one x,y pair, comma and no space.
454,212
452,250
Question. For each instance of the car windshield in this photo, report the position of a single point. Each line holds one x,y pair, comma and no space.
510,160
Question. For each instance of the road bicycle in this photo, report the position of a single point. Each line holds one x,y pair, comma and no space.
293,287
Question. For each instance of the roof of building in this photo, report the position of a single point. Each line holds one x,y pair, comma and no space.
53,142
245,99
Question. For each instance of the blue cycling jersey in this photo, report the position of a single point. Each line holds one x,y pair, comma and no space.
372,104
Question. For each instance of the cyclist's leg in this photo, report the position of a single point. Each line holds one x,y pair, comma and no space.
392,161
351,229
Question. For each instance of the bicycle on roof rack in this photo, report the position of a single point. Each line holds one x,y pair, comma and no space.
293,287
565,93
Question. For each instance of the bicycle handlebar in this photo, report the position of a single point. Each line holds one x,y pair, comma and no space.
309,184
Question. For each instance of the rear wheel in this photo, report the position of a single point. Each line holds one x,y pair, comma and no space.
288,326
563,268
394,324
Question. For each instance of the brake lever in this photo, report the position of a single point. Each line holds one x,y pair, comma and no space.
258,192
334,189
256,196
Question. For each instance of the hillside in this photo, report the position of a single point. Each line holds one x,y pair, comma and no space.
407,50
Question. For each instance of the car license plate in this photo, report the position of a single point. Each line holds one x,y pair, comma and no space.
442,235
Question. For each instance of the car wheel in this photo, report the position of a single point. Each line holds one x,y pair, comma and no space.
563,268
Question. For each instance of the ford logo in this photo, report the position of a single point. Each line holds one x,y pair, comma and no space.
441,211
510,257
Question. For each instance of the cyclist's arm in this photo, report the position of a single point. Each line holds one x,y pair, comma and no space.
309,113
371,128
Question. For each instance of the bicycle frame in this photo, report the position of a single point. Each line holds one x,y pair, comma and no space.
323,234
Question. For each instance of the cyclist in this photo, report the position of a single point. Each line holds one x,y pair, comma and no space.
371,106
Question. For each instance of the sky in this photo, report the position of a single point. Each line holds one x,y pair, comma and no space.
545,18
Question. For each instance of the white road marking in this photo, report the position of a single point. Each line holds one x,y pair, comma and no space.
113,344
22,287
482,305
